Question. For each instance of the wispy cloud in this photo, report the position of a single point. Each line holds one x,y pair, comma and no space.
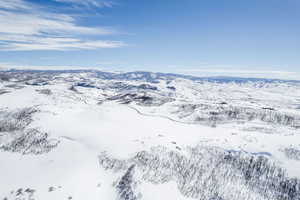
14,5
39,43
89,3
28,26
237,71
8,66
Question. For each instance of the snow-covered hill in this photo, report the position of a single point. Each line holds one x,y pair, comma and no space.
86,134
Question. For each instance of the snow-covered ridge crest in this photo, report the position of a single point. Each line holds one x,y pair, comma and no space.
146,76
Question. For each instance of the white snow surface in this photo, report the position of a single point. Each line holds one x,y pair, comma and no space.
87,124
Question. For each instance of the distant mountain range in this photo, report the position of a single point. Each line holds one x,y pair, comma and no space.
154,76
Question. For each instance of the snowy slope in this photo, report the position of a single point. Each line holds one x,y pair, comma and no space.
96,135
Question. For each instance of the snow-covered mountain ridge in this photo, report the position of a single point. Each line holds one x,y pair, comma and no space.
86,134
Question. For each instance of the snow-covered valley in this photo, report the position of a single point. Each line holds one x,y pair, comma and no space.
125,136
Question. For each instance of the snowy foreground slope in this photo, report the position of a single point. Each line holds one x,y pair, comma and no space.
128,136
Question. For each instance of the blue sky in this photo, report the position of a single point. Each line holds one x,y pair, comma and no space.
200,37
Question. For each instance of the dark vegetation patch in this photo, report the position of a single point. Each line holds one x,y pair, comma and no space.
16,137
208,173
